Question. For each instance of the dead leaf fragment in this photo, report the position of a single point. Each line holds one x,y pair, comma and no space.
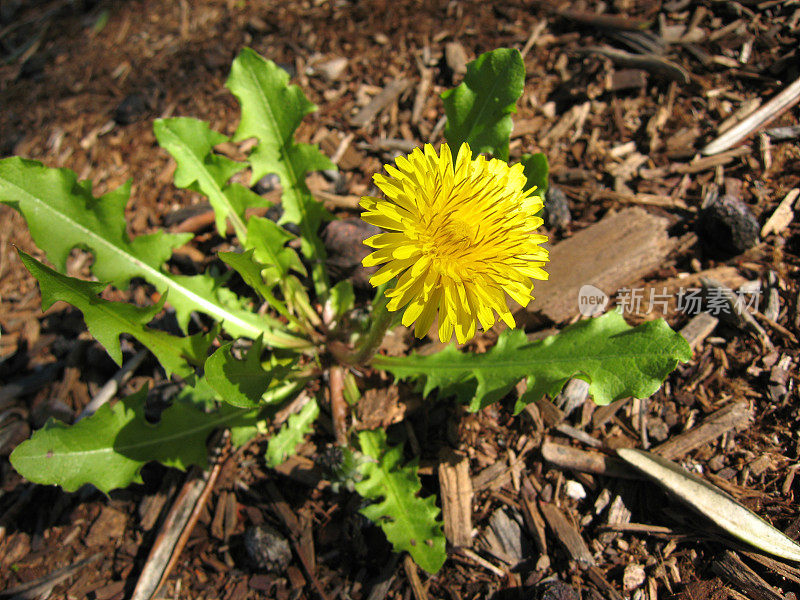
713,503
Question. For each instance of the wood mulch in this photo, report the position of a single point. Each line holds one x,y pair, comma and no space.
622,97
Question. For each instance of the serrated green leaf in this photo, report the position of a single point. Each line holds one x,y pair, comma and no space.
277,262
617,360
252,273
52,200
109,448
537,172
479,110
241,383
269,241
191,143
282,445
271,112
107,320
409,522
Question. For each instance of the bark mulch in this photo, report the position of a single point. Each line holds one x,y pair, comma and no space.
621,97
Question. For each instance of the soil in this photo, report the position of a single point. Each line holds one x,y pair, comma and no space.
80,84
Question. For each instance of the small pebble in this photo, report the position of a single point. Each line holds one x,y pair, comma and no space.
556,209
728,226
332,69
267,548
555,589
131,109
574,490
266,184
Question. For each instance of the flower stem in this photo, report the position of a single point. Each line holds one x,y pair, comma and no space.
382,320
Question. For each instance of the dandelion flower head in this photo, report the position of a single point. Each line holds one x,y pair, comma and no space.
460,237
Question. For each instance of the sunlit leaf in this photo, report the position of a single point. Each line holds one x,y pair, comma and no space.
271,112
479,110
615,359
191,142
409,522
109,448
52,200
107,320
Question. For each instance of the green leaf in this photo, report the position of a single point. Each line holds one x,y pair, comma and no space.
241,383
409,522
52,200
537,172
252,273
479,110
191,142
109,448
108,320
342,299
615,359
269,241
271,112
282,445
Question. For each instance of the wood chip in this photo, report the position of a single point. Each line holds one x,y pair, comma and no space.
699,328
625,79
783,215
175,531
534,523
388,95
110,525
611,254
567,534
734,416
413,578
649,62
711,162
457,493
576,459
731,568
749,125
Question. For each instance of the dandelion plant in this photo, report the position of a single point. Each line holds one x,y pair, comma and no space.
462,237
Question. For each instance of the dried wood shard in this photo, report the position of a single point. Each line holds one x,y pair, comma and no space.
388,95
611,254
457,495
576,459
699,328
733,416
771,110
733,569
567,534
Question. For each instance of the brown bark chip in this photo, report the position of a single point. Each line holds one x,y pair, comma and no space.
608,255
457,496
108,526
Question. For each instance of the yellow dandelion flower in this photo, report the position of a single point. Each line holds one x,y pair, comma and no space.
461,237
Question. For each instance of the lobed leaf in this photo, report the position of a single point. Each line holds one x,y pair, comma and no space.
241,383
409,522
252,273
479,109
191,143
617,360
54,200
107,320
269,242
282,445
271,112
537,172
109,448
